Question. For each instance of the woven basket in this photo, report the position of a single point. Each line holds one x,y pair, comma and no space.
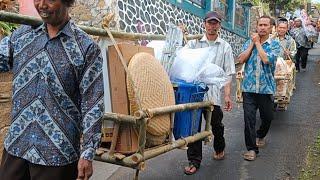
154,89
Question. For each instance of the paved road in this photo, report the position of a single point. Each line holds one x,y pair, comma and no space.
291,133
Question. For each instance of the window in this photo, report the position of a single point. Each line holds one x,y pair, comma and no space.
200,3
225,9
196,7
241,18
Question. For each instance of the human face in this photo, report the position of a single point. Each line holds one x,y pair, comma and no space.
282,29
52,12
297,23
264,27
212,27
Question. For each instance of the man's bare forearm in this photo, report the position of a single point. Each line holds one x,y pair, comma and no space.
263,55
245,55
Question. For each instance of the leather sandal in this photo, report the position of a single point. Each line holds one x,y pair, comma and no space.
250,155
218,156
191,169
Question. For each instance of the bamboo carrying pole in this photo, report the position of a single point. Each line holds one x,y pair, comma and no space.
33,21
120,118
177,108
134,160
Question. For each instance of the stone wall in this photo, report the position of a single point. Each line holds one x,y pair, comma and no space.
5,106
144,16
255,13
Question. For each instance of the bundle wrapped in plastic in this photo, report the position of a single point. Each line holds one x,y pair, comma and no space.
188,63
282,72
158,46
281,67
212,74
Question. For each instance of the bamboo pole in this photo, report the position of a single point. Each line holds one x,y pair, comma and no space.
176,144
142,135
136,159
177,108
33,21
120,118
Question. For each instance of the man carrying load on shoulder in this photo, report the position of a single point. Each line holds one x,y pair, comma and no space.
57,98
288,45
259,55
223,57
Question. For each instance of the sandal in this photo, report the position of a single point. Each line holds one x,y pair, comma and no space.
250,155
260,142
191,169
218,156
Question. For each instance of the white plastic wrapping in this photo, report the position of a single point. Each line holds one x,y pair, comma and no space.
212,74
188,62
157,47
194,65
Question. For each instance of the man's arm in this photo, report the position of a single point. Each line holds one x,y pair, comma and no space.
229,68
245,55
91,90
263,55
227,95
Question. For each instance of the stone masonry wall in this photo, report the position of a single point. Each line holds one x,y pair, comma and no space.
5,106
144,16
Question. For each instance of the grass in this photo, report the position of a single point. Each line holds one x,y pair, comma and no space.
312,168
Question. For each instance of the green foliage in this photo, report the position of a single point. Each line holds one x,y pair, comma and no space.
6,28
311,169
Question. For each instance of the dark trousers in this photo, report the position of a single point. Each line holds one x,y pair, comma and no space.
15,168
194,151
302,54
251,103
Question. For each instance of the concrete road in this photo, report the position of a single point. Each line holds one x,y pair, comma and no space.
291,133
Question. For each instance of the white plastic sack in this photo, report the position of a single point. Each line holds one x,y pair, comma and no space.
157,47
281,67
188,63
212,74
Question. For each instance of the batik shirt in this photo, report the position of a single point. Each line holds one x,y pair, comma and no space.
222,57
299,35
289,44
258,76
57,94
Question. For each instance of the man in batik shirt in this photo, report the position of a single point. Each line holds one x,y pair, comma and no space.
303,45
259,55
57,98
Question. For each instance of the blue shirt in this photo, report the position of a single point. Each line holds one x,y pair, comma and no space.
259,77
57,94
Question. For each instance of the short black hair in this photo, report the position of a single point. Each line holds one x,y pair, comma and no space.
68,3
282,20
272,21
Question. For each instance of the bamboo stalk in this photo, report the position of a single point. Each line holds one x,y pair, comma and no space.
142,135
134,160
120,118
114,138
176,144
177,108
171,127
33,21
130,161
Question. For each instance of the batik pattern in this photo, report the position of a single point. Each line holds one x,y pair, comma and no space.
57,95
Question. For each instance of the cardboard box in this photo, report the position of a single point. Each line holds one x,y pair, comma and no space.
117,75
127,141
